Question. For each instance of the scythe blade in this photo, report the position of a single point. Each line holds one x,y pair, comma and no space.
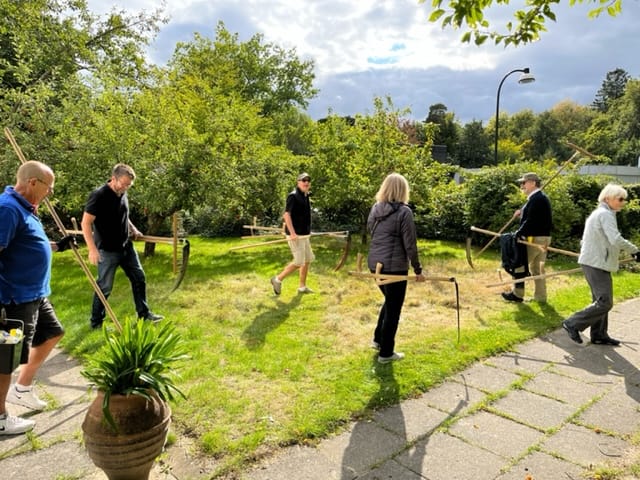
345,254
186,252
468,252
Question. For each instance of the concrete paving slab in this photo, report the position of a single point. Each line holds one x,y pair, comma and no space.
583,446
586,369
454,398
496,434
443,457
391,470
365,445
534,410
548,349
486,378
516,362
565,389
65,459
411,419
299,462
616,412
541,466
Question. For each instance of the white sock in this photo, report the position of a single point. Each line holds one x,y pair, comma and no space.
22,388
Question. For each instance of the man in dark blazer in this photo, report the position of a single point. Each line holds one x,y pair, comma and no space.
535,227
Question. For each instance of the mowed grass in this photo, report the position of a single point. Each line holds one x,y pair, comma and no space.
268,371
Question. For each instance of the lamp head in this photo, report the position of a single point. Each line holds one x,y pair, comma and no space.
526,77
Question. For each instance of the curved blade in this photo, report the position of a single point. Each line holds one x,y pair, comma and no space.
468,252
345,254
186,251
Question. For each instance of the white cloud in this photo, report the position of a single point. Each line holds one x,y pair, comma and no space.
371,47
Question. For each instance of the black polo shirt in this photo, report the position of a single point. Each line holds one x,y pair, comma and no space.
299,209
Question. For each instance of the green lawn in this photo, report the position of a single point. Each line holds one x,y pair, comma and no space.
269,371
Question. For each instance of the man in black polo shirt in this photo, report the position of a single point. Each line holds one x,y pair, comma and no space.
108,231
297,219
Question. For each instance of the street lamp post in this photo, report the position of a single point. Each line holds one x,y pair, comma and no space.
526,77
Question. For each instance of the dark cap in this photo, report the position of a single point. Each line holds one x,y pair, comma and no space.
304,176
529,177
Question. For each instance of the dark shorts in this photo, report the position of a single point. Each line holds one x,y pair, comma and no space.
40,323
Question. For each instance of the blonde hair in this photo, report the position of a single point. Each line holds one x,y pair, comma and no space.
394,188
612,190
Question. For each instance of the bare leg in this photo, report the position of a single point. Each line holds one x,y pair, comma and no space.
5,381
287,270
304,269
37,356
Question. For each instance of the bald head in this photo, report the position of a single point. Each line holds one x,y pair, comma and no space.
33,169
34,181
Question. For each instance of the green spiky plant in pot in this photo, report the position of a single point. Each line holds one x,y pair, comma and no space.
134,373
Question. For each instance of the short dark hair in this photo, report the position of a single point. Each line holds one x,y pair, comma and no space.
121,169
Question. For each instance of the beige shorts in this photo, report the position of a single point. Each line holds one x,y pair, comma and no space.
301,250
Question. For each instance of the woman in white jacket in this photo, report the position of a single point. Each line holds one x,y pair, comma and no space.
599,251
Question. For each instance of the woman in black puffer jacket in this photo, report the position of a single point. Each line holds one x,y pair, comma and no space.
394,245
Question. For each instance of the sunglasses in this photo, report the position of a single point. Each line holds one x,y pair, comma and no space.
306,180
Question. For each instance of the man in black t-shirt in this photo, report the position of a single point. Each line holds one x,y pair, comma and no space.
297,219
108,231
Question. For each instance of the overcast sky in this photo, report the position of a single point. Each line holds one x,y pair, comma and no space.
367,48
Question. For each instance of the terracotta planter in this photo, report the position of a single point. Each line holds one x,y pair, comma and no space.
129,452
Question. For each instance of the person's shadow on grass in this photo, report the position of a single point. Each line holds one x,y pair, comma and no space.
531,320
270,319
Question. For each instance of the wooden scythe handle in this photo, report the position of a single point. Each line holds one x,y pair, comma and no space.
524,242
63,231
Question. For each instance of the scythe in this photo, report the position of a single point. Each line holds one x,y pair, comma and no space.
64,232
384,279
578,151
186,251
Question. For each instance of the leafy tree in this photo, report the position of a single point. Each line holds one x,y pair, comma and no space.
612,88
448,131
528,25
54,50
259,72
350,162
545,136
615,134
475,147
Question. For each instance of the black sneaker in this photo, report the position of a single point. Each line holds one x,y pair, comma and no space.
511,297
153,317
605,341
573,333
96,325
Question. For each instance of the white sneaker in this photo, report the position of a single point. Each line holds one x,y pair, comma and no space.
305,289
27,398
277,285
395,356
10,425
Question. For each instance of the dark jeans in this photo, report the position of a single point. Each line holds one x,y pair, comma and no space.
130,263
596,315
389,316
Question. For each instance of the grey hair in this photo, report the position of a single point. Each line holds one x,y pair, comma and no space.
612,190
